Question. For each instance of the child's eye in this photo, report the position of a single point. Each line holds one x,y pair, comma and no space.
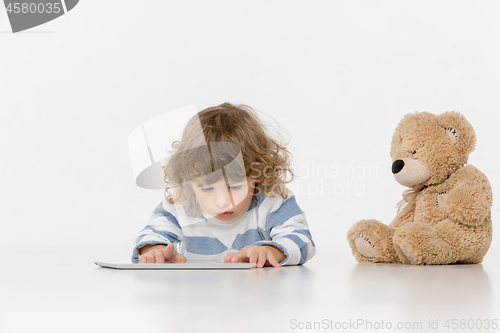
235,188
207,189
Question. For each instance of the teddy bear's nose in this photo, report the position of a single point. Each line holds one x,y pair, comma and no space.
397,166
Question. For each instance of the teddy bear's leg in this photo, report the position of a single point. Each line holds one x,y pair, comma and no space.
470,243
371,241
419,244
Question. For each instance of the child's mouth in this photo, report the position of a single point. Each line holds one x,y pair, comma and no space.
225,214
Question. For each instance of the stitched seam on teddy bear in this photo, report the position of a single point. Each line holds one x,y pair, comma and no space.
454,133
437,199
366,239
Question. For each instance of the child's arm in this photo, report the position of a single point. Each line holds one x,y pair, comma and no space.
162,229
290,239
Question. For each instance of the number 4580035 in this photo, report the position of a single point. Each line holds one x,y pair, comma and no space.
25,8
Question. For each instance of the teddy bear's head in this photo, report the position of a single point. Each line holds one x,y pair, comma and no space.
426,148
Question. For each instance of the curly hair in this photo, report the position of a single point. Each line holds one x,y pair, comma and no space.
227,132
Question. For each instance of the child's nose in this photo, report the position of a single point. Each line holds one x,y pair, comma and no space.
222,200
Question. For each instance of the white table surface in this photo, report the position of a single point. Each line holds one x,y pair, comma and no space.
71,294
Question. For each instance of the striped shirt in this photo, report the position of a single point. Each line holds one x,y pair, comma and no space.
268,221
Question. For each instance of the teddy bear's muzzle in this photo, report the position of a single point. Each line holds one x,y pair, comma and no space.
410,172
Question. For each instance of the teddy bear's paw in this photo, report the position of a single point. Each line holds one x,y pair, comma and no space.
408,253
401,255
365,246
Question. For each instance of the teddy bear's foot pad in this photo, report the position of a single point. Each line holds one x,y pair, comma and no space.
365,247
407,252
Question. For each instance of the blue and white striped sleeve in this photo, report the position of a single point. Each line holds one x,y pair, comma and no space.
163,228
287,227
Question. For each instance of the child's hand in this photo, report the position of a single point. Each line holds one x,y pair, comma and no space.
160,254
265,255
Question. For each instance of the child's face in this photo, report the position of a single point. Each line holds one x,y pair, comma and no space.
225,201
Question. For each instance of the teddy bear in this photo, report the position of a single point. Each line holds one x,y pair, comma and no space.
445,215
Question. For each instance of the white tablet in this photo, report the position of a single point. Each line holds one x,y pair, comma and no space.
194,265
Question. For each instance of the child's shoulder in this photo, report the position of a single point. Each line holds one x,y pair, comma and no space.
165,208
274,202
183,215
174,209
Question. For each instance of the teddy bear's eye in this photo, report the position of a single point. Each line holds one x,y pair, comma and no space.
414,152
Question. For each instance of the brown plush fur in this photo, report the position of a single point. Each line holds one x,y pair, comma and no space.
450,219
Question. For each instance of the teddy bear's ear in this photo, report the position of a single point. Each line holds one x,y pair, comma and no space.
459,131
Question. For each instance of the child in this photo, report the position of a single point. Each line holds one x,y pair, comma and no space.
225,197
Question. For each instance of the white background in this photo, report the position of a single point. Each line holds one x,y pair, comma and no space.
337,76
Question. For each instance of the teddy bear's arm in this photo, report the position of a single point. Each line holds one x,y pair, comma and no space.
469,201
